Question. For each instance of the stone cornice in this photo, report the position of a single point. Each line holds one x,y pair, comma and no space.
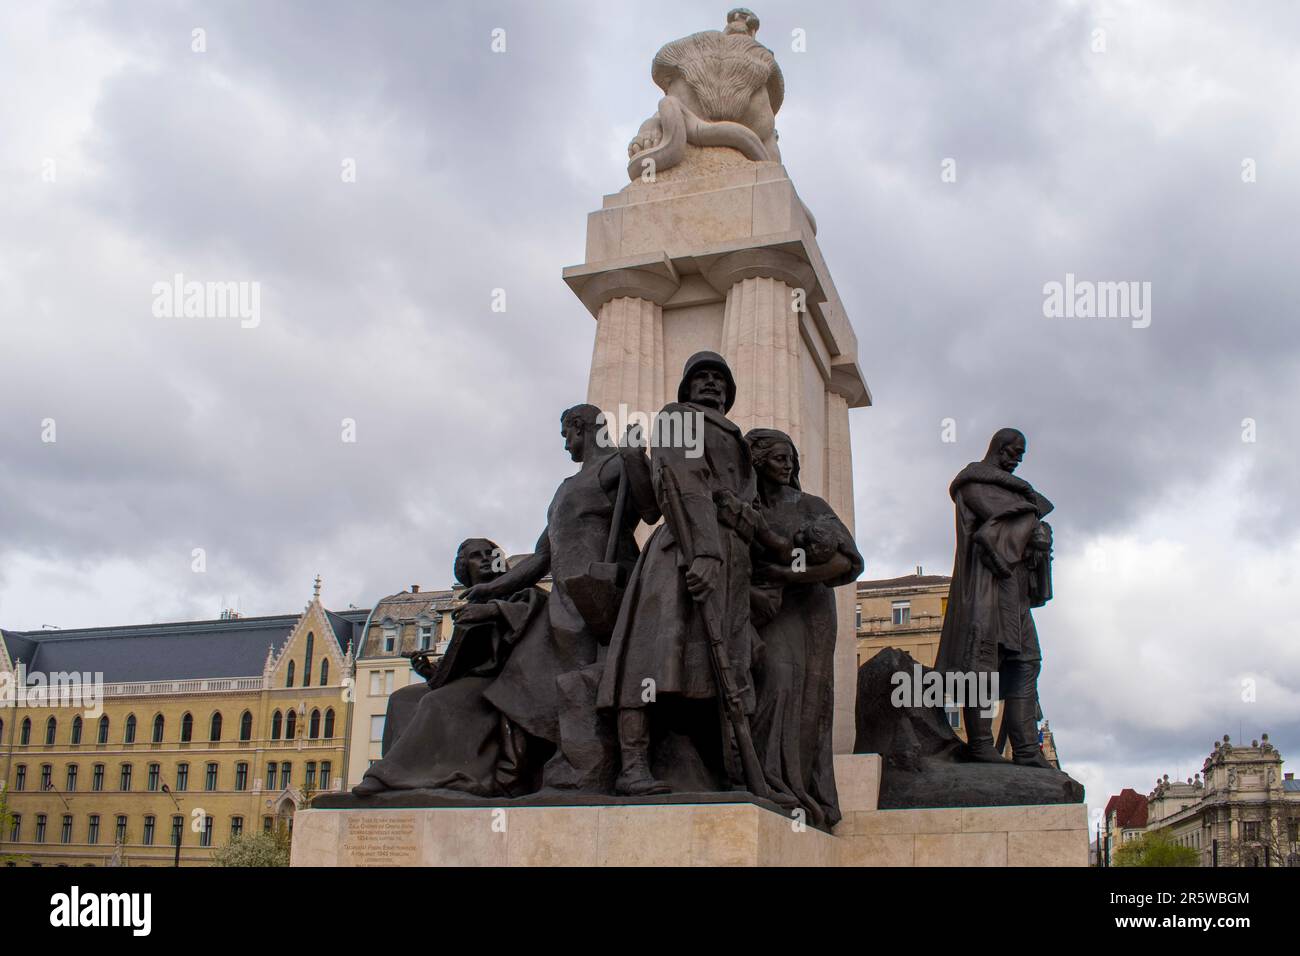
652,277
762,261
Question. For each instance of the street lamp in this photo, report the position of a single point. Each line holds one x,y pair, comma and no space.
50,788
179,828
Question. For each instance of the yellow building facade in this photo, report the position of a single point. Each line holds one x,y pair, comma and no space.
905,612
211,728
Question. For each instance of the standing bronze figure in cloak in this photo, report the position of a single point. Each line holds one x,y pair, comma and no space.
1002,570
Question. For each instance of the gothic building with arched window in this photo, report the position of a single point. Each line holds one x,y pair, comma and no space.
203,707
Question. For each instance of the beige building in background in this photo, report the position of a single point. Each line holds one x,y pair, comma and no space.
241,719
905,612
1240,810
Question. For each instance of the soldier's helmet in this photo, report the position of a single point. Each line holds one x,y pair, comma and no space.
707,360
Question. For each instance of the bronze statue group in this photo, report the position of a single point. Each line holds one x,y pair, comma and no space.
702,662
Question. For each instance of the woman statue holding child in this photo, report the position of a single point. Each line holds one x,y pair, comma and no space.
804,554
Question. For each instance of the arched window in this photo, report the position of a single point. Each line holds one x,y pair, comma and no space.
103,730
313,726
289,680
306,661
76,729
187,728
26,736
275,725
51,728
329,722
158,727
290,725
246,726
324,672
130,729
214,734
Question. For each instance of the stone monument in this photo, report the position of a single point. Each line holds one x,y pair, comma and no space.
710,720
709,247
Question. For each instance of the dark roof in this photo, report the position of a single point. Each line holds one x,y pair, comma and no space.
1292,786
185,650
906,581
18,645
1130,809
408,605
347,628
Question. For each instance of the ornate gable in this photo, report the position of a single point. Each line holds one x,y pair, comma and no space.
313,627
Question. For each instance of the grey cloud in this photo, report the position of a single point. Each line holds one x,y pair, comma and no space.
476,171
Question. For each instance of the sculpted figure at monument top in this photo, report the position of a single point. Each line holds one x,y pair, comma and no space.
723,89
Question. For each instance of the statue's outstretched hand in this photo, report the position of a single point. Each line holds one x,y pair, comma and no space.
474,613
423,663
479,593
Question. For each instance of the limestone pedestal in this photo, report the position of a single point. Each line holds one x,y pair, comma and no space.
1052,835
720,834
701,834
720,253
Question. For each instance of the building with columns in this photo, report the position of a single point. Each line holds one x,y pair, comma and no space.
1240,810
206,728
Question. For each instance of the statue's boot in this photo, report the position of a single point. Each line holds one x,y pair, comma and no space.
979,737
1022,727
635,779
368,787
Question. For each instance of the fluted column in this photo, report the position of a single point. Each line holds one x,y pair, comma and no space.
839,458
839,495
765,290
627,359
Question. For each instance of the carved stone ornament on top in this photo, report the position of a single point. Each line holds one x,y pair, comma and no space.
723,89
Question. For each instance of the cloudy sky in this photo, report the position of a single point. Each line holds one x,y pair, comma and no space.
1168,157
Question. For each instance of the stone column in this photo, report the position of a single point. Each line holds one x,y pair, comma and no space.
627,362
760,334
839,495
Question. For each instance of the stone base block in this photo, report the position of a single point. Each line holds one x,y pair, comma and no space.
1048,835
857,778
716,834
721,834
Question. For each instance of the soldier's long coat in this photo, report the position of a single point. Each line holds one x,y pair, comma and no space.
660,635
